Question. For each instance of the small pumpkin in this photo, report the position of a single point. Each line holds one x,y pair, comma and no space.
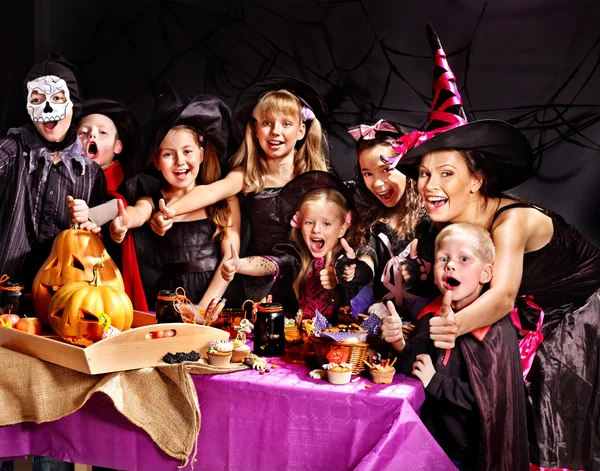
72,258
338,355
75,310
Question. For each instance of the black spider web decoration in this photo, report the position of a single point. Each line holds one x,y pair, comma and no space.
225,46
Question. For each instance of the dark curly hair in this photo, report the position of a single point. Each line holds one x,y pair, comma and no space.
409,209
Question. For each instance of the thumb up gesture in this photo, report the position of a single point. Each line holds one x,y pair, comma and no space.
231,266
119,225
327,274
349,268
391,328
162,220
443,329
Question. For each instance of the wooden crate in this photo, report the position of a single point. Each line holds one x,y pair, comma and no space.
129,350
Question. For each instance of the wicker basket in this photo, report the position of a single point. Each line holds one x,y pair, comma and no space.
357,351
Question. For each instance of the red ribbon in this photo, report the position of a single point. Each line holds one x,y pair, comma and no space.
446,81
405,143
529,344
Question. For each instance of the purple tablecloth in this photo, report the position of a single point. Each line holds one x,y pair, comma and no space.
282,420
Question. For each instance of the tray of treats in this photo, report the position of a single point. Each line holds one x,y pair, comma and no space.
144,345
359,341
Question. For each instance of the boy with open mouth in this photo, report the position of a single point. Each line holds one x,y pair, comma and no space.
453,409
110,136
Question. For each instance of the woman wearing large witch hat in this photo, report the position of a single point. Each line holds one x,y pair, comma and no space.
544,266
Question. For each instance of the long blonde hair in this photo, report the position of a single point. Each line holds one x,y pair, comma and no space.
309,156
209,172
322,195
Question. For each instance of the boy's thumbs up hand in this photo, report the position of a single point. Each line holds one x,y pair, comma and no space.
446,309
327,274
391,328
231,266
443,329
119,225
162,220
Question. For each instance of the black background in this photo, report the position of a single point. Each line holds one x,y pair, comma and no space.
533,63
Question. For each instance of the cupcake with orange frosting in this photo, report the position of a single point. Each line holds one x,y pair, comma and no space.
219,352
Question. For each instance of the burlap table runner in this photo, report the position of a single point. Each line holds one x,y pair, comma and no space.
32,390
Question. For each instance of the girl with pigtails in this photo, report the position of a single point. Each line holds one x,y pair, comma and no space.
278,120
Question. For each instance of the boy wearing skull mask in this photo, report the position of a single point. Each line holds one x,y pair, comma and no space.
42,163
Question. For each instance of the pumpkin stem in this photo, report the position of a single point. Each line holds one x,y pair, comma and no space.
75,225
97,266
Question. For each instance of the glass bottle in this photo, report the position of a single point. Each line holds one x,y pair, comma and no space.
165,307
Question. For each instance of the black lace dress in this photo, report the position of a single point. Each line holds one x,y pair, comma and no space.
563,384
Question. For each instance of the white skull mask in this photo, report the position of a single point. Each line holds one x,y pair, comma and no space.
48,99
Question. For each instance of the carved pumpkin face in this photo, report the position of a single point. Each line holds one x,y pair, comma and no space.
73,256
74,310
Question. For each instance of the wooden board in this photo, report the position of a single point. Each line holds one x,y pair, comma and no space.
132,349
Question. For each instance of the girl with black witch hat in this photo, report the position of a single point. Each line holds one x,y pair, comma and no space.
185,151
544,268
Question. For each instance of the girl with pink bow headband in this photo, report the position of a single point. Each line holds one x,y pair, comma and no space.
387,222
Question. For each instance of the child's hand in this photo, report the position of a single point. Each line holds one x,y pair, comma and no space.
391,328
162,220
349,269
423,369
118,226
443,329
231,266
78,210
327,274
379,310
90,226
424,266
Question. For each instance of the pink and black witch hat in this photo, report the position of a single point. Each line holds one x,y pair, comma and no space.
507,149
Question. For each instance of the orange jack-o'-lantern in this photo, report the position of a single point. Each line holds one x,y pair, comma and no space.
73,256
75,309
